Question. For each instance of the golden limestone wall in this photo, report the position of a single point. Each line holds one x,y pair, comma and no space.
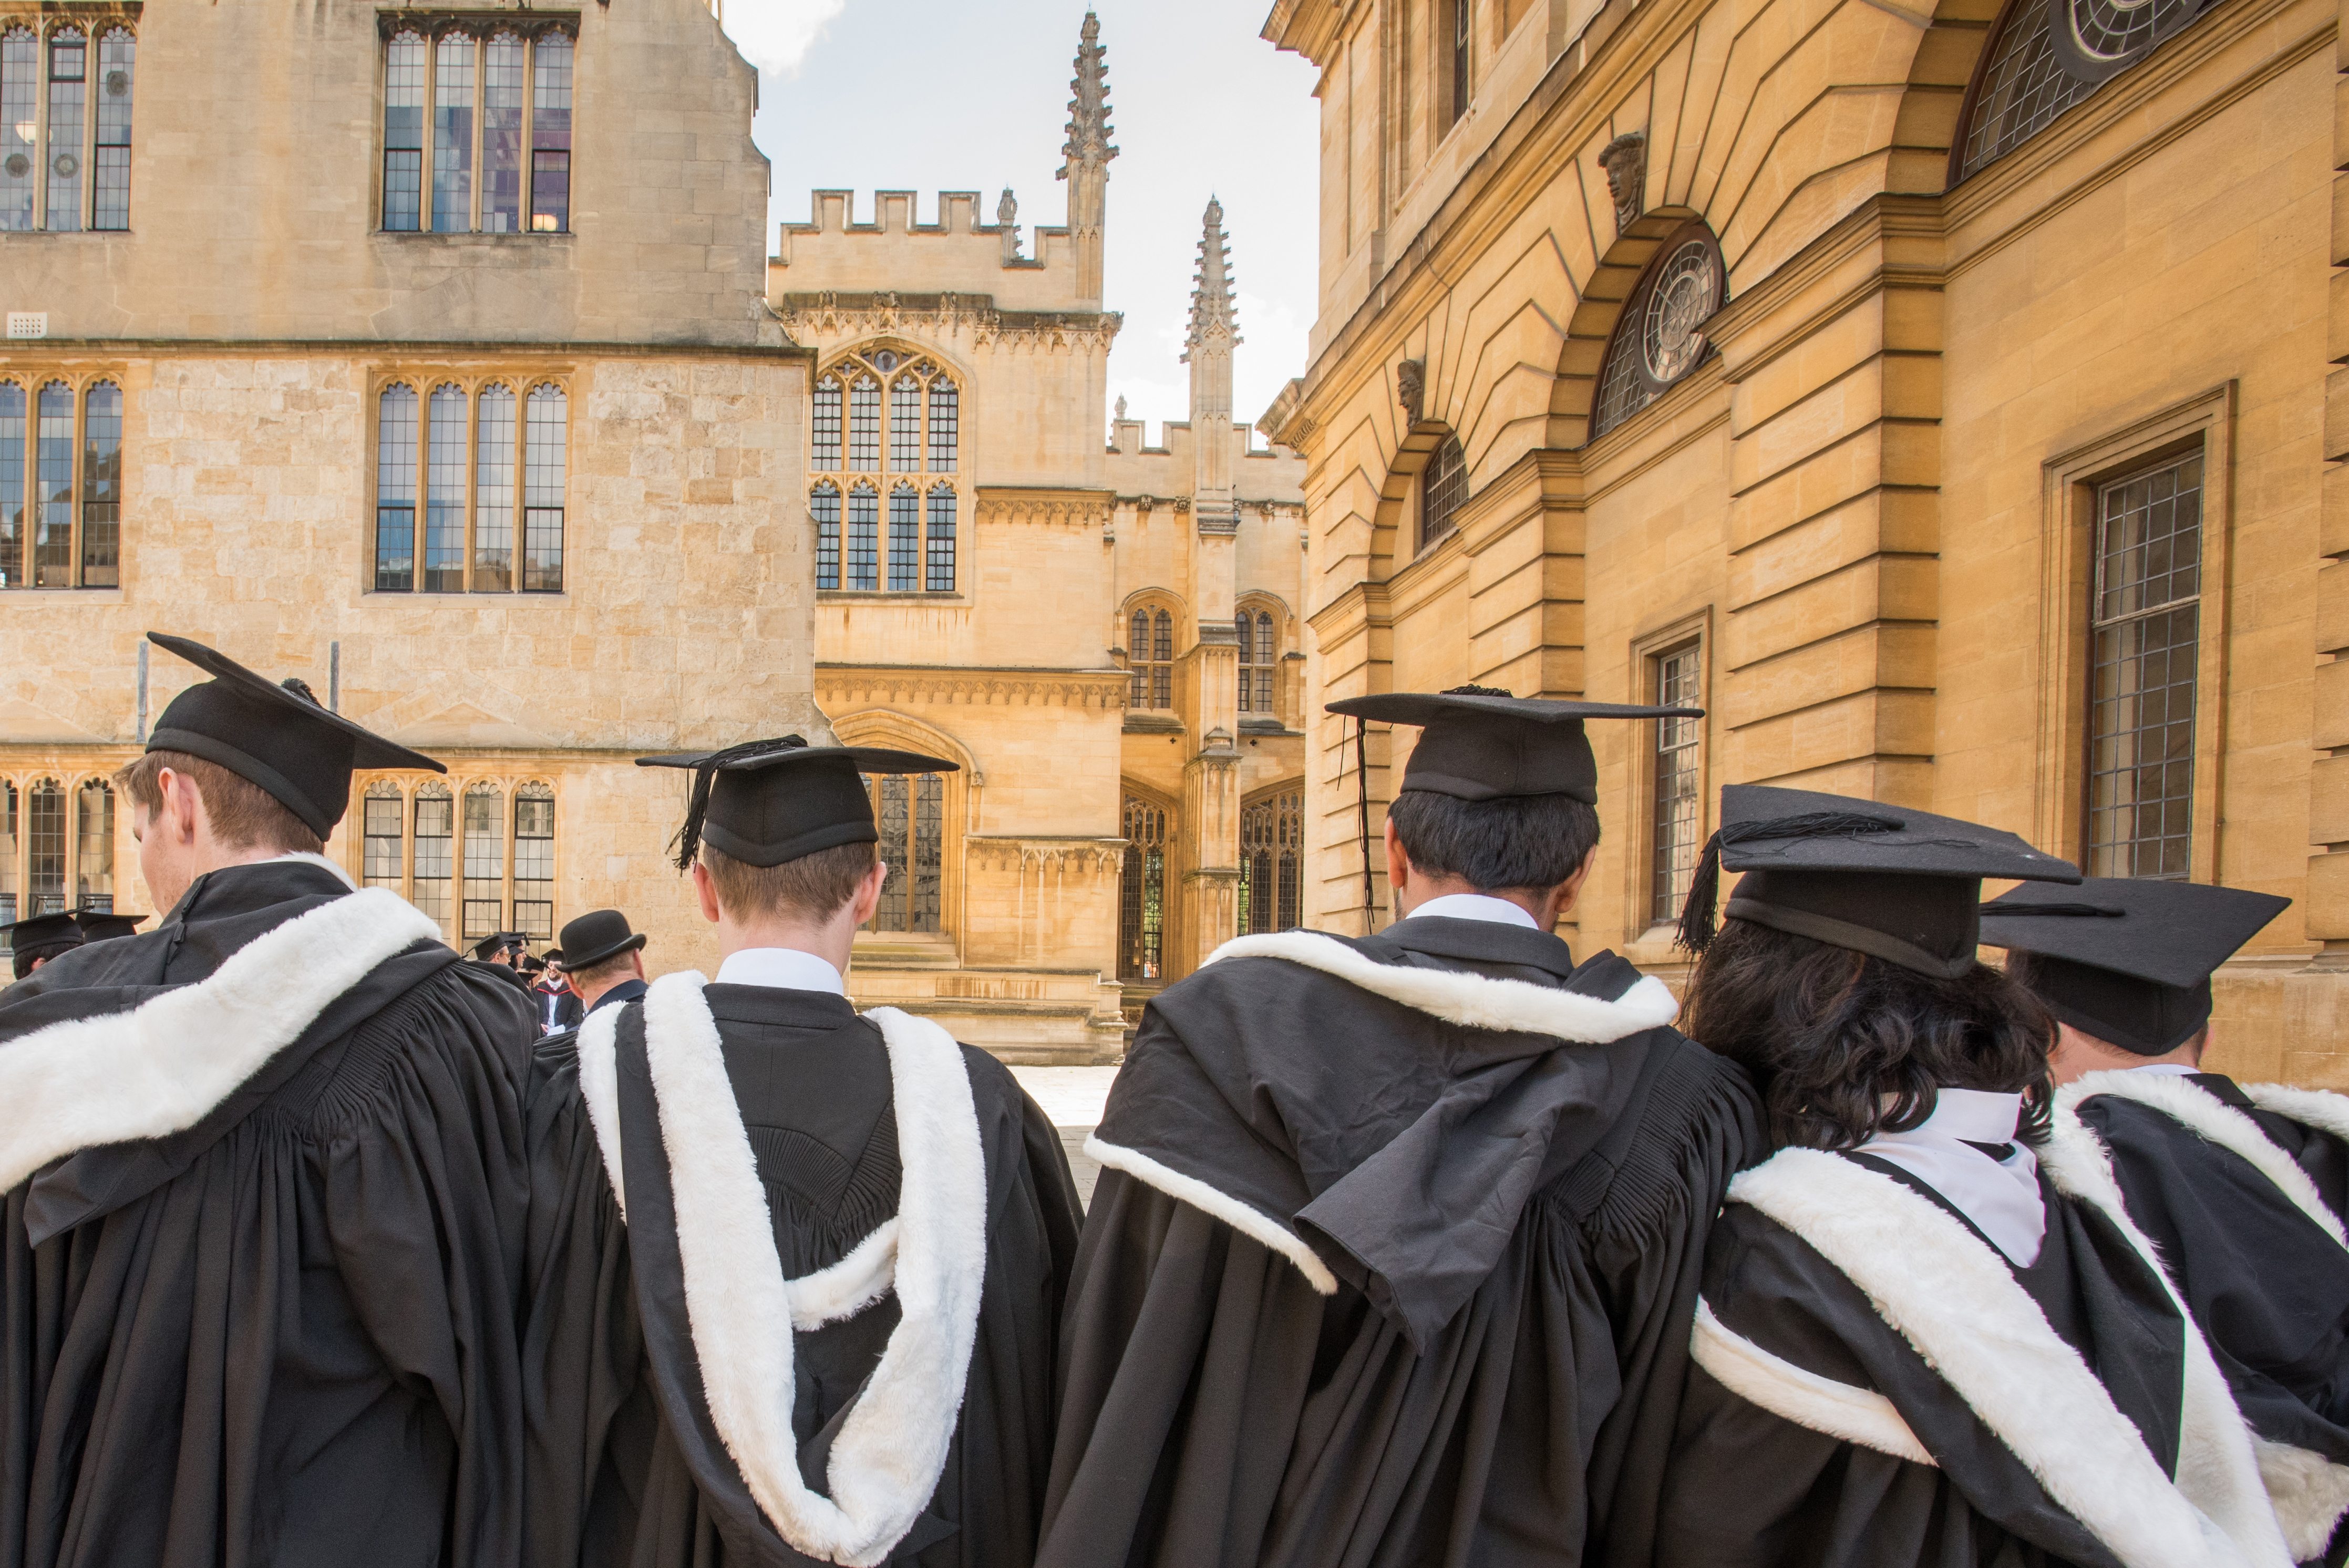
1873,504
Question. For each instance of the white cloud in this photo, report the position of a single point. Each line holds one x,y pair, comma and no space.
776,34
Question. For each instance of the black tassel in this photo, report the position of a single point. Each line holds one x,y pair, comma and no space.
1475,691
687,842
1696,930
301,689
1698,927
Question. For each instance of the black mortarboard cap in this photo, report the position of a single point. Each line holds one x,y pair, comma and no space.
2125,959
1479,744
280,738
37,931
767,801
497,942
101,926
1899,884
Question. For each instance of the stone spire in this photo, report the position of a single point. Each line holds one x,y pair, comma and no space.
1086,157
1208,351
1213,314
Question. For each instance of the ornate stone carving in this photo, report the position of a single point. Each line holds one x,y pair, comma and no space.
1625,158
1089,126
1411,386
840,688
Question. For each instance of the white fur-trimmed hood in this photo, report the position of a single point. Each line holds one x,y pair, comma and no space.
2319,1108
1797,1394
163,1067
2216,1122
887,1457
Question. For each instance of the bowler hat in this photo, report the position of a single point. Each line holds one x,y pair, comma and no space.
594,936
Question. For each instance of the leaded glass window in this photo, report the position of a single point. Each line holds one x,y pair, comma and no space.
53,489
1142,893
534,900
395,488
94,846
65,128
945,426
824,451
488,470
1150,652
502,98
1259,648
863,547
2048,56
550,133
941,565
111,161
2146,642
1660,336
69,99
1442,488
905,424
436,821
386,845
493,490
905,539
60,485
543,489
823,505
20,100
1678,821
12,486
909,809
101,486
444,491
452,135
864,425
492,118
485,861
403,131
44,846
1272,851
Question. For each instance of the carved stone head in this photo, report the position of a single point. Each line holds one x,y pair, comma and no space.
1625,158
1411,386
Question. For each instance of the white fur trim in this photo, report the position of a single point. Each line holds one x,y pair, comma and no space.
2310,1493
2217,1122
1217,1205
1472,1000
600,1086
163,1066
891,1450
2316,1107
1955,1301
1797,1394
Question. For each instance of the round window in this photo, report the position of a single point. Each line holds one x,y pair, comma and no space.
1687,291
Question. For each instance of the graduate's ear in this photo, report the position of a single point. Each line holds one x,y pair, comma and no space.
868,897
706,891
1398,860
1571,888
183,807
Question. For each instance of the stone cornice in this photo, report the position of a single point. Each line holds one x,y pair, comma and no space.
945,315
946,686
378,348
1007,852
1050,507
1361,604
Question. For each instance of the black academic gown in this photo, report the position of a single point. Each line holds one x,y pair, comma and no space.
627,1469
1747,1488
2269,1286
557,1010
286,1335
1515,1226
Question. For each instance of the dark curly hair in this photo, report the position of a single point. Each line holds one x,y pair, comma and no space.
1846,1046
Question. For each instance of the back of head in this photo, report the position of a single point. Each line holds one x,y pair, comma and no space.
1521,843
813,888
242,815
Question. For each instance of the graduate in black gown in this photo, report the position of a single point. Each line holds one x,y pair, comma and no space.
266,1196
799,1269
1395,1244
1929,1333
2239,1186
38,938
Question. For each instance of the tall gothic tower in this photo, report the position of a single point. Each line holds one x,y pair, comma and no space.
1215,332
1086,157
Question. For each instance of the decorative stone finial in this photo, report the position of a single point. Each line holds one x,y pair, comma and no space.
1089,126
1625,158
1213,313
1121,409
1008,210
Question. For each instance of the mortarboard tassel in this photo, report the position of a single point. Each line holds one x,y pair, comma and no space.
1698,926
687,842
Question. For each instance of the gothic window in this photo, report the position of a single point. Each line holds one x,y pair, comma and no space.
101,486
1676,675
53,507
12,486
945,424
1442,488
485,861
65,128
94,846
1660,336
436,822
910,811
8,859
1272,851
2048,56
533,862
20,98
825,452
941,565
44,846
863,542
1142,893
864,425
823,505
905,539
2145,639
60,485
69,101
499,103
111,161
905,424
1150,652
459,453
385,844
1260,643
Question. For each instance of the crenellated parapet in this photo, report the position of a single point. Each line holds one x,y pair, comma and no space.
956,254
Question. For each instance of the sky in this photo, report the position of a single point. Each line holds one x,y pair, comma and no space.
949,94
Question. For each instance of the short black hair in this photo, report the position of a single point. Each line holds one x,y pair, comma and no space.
1516,841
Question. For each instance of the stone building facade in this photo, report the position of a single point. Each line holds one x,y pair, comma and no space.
1936,391
424,356
1106,638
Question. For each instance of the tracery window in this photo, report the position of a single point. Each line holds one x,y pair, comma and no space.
418,848
485,861
1660,337
2146,643
458,450
2049,55
823,505
1443,487
923,436
496,101
94,846
533,856
1259,644
1142,893
64,151
435,860
1150,654
45,846
1272,850
60,484
386,846
910,811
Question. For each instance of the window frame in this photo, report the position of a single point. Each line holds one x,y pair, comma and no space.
1131,937
1623,339
521,386
1273,700
902,379
481,30
81,385
408,789
2070,481
1283,806
1146,664
15,834
96,31
1425,498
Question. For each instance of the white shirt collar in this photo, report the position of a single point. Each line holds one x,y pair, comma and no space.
1999,1196
2173,1069
1475,907
781,968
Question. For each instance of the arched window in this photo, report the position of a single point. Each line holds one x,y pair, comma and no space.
60,514
444,490
452,135
62,167
1258,643
533,896
1272,848
436,822
384,864
20,98
945,426
1442,488
395,488
941,567
44,846
1659,339
906,423
543,479
550,135
864,425
864,546
485,861
109,206
823,505
8,859
69,104
493,490
94,846
403,131
2046,59
509,94
1142,893
12,486
824,449
53,507
1151,655
421,457
101,486
905,539
910,811
502,96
